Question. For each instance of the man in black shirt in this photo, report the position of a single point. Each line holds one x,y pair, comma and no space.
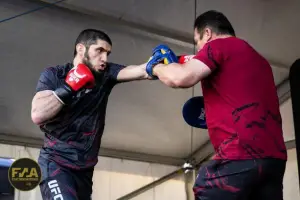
69,106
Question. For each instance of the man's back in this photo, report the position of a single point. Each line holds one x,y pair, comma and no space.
241,103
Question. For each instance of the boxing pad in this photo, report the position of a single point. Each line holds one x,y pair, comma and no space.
164,49
161,54
193,112
154,60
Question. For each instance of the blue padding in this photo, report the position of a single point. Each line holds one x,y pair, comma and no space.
193,112
5,162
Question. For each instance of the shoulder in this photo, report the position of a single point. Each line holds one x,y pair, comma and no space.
114,69
224,42
56,72
216,44
229,43
51,77
112,65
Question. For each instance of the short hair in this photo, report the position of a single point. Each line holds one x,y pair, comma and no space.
90,36
214,20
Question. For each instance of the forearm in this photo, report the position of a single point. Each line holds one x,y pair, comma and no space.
133,72
182,75
45,106
170,75
137,72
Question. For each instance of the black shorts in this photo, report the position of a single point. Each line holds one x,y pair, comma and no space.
240,180
60,183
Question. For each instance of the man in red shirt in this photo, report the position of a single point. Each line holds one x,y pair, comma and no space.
242,113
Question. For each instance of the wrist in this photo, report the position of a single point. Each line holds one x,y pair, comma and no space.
64,94
155,69
145,75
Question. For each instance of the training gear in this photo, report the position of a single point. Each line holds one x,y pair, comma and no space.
255,179
164,49
185,58
154,60
242,114
73,137
160,54
193,112
77,78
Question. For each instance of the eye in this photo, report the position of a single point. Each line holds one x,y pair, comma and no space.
102,50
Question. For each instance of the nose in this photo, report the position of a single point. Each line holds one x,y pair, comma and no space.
104,57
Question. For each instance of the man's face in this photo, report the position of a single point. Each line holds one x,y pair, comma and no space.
96,56
201,41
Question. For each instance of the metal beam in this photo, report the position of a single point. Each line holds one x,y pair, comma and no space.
205,155
283,90
105,152
152,185
291,144
201,153
189,181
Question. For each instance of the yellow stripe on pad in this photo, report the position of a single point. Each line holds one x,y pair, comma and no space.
165,60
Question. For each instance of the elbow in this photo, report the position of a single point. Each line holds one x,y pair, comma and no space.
176,80
177,83
169,82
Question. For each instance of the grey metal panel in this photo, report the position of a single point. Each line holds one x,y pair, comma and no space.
133,27
181,32
175,15
175,18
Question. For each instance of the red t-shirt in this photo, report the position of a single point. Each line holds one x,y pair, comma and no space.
241,103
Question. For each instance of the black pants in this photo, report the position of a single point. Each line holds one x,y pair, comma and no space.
60,183
259,179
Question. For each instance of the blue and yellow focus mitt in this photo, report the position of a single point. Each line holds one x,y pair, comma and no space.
160,54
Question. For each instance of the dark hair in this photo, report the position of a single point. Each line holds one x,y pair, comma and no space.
214,20
90,36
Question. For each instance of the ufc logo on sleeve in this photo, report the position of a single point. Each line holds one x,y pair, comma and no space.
53,185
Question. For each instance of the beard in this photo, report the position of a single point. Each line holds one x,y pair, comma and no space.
98,75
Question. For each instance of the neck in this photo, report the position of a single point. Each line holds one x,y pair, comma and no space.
223,36
76,61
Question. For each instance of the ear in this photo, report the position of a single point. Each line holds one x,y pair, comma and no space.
80,48
208,34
